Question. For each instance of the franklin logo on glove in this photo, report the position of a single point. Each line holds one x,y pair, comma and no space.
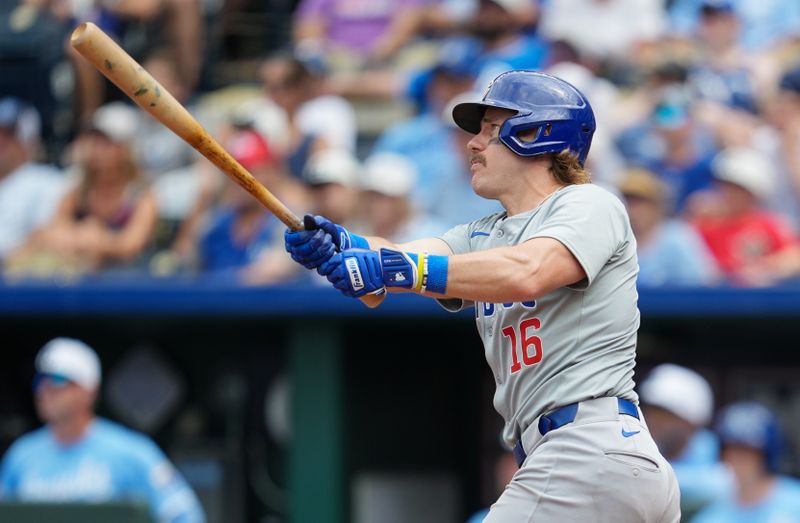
355,274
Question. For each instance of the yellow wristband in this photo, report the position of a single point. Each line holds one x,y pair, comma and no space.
421,259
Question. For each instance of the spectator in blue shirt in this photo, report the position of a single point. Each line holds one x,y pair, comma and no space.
670,251
425,139
503,27
29,192
725,73
678,403
765,23
78,457
674,145
242,240
751,447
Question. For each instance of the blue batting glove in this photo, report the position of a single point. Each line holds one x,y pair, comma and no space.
310,247
355,272
320,239
343,238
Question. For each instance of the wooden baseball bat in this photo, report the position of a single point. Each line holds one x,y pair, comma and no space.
118,66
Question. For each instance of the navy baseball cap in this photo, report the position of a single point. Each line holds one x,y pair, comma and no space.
457,56
751,424
791,80
716,6
20,119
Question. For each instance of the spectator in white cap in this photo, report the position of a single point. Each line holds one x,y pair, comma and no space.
388,181
744,237
78,457
332,176
679,404
29,192
107,219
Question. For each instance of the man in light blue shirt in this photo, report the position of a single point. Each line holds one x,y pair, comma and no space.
29,192
77,457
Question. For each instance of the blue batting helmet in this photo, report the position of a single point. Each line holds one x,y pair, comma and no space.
561,114
751,424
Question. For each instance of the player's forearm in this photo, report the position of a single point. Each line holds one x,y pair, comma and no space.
495,276
377,243
512,274
489,276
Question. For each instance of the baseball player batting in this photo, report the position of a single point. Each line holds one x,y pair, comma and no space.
553,283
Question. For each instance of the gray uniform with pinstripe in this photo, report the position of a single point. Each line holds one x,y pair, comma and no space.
574,345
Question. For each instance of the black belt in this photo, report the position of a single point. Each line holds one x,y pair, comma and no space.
563,416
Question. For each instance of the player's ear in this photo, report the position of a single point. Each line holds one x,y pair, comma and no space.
92,397
530,135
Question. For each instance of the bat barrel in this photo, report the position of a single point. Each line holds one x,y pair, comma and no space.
118,66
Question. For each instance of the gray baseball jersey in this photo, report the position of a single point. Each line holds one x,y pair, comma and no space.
577,342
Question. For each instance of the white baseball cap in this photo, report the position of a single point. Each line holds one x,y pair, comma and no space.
746,168
332,166
71,359
512,6
389,174
118,121
679,390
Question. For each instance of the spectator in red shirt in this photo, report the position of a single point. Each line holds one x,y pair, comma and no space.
743,236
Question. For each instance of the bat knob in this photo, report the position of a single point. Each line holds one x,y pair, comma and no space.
309,223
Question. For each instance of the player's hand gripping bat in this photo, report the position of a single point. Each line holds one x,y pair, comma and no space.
116,65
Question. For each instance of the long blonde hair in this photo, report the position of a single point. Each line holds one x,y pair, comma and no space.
567,170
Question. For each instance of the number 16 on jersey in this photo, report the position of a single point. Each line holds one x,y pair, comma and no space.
529,345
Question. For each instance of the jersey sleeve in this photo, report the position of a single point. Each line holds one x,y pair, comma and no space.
457,238
171,499
590,222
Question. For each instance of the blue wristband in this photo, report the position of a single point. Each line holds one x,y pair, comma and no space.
437,274
358,242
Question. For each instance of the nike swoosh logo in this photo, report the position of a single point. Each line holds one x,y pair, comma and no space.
629,434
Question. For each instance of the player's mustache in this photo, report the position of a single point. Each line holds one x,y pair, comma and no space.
477,157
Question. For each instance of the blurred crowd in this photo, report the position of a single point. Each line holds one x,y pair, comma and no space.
347,115
730,464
